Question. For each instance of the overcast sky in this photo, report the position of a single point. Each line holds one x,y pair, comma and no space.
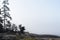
38,16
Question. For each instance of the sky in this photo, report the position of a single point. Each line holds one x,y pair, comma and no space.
38,16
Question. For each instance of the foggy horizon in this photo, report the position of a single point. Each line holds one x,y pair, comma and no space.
38,16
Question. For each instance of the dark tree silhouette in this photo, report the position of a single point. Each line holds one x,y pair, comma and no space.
21,29
1,21
4,12
1,28
0,11
9,24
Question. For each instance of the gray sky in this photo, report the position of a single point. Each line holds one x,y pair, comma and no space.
38,16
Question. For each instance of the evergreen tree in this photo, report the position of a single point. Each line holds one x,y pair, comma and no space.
4,12
22,28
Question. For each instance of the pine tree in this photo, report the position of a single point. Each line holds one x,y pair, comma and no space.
4,12
22,28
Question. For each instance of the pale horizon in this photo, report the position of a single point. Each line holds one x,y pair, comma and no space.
38,16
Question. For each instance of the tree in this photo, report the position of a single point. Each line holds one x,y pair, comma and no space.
1,26
8,24
4,12
22,28
14,27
